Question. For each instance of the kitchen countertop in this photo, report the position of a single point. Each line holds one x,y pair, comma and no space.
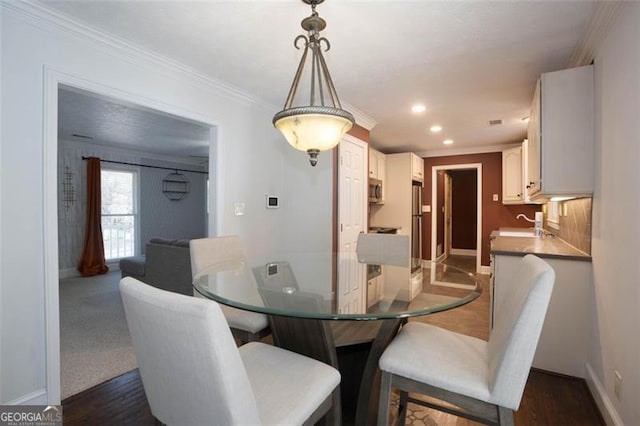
384,229
548,246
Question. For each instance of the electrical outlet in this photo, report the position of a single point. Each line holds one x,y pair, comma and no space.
495,197
617,383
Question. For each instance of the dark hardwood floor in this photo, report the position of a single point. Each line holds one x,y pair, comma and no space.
548,399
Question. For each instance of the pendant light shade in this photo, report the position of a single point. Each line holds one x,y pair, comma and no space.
321,124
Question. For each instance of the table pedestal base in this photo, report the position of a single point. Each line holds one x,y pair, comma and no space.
357,363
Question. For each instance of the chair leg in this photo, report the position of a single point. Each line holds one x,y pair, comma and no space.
505,416
385,399
403,406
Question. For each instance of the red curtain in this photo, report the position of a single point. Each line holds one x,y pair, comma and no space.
93,262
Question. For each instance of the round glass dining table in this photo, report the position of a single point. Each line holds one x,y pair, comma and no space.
340,308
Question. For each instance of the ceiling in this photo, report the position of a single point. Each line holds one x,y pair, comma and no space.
92,118
467,62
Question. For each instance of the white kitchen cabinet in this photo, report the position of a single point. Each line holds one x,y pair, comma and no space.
398,192
512,176
564,340
377,164
560,134
417,168
374,290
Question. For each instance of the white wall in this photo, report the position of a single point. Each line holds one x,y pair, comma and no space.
616,214
253,160
157,215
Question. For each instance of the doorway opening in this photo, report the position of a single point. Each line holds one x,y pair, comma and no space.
456,221
58,89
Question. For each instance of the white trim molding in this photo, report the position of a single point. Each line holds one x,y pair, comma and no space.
41,15
598,28
38,397
52,80
434,196
608,411
362,119
464,252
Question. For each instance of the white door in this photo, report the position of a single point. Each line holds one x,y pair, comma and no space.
352,214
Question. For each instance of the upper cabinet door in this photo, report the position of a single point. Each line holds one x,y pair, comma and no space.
532,180
373,163
417,168
377,164
561,134
512,187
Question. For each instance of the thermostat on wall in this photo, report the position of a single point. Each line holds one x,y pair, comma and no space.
272,202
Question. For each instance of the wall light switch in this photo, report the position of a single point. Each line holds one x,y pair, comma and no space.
495,197
426,209
238,208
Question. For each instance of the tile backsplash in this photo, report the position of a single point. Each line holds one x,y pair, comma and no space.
575,226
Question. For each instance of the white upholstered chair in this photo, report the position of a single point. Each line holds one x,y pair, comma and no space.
193,373
484,380
206,252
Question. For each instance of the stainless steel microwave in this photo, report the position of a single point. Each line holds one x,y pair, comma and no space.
375,190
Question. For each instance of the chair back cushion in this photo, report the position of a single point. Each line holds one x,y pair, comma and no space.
515,334
190,367
206,252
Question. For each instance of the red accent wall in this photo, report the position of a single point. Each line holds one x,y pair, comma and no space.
359,132
494,213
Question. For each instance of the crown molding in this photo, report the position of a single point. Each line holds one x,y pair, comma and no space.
598,28
362,119
43,17
466,151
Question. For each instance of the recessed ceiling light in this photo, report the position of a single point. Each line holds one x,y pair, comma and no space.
448,141
417,108
436,128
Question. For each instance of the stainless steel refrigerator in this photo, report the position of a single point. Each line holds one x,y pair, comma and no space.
416,226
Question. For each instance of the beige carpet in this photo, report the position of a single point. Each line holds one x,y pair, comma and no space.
94,339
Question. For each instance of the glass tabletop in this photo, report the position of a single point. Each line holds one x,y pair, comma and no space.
337,286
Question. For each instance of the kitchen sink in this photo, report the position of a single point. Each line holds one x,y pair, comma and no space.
517,233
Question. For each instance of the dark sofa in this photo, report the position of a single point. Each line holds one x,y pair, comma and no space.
166,265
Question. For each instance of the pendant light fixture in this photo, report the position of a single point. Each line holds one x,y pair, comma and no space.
320,125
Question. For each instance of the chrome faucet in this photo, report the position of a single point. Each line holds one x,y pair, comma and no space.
537,229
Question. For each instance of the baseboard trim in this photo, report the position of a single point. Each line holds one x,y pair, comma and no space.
463,252
599,394
38,397
485,270
74,273
68,273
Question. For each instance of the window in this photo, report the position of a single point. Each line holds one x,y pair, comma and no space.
119,212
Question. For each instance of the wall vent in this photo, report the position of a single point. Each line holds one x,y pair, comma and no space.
495,122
